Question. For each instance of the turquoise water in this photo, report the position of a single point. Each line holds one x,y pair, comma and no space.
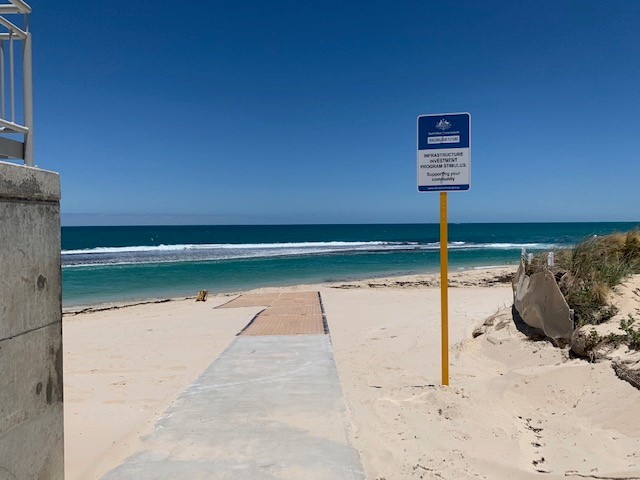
104,264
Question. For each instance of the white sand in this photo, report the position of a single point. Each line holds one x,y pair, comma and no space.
124,367
512,402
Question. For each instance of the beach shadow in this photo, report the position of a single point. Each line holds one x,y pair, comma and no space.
533,334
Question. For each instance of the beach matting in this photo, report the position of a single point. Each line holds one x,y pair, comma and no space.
296,313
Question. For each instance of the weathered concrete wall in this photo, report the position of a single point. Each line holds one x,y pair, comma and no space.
540,303
31,414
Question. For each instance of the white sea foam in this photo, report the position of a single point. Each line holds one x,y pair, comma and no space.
243,250
230,246
533,246
489,246
162,254
113,256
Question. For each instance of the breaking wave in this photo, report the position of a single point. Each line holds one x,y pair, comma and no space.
141,254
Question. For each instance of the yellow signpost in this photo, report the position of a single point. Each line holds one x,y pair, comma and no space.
444,164
444,288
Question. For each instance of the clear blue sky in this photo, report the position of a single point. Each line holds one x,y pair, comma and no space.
305,112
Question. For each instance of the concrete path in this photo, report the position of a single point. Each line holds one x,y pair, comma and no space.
270,407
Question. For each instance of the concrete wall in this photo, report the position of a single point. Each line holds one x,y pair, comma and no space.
31,414
540,303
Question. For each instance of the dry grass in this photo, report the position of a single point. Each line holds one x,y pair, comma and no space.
589,271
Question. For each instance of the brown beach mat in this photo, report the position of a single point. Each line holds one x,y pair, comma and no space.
293,313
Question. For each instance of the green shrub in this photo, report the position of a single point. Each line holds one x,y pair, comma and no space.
632,335
590,270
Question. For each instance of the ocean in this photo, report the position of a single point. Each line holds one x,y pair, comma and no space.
130,263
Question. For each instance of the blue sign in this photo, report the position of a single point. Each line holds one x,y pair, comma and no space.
444,152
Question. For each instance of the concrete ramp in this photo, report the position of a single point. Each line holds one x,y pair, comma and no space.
270,407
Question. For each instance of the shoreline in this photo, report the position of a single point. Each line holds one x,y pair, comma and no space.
433,277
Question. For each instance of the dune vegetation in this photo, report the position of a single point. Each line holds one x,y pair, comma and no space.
587,273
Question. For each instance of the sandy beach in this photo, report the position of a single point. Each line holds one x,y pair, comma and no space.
515,408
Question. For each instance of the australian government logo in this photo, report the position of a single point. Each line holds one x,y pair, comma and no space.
443,125
443,133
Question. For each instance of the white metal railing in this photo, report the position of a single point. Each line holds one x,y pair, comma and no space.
11,123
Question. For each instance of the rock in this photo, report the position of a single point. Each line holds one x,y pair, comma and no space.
580,342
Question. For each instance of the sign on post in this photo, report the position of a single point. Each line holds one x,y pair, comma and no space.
444,164
444,152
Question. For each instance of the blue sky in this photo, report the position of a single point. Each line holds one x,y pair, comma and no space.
305,112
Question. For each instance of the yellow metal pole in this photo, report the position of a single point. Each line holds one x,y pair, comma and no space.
444,288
